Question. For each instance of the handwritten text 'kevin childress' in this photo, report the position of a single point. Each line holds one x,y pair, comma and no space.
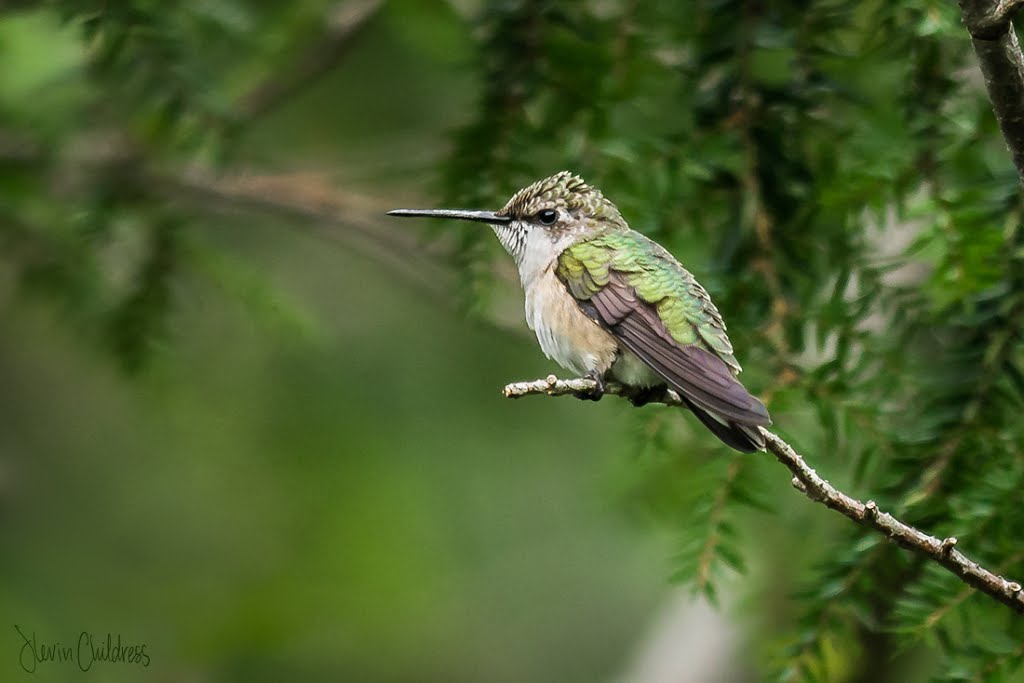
88,650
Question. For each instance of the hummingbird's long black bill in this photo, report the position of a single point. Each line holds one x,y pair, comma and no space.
457,214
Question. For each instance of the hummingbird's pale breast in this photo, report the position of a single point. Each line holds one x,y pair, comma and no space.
566,335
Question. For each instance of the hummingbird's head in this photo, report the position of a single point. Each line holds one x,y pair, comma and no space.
544,217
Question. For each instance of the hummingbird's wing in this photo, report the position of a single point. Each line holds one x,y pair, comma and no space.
655,308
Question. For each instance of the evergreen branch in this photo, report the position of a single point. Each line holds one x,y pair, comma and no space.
758,215
1002,65
805,479
343,25
829,609
754,210
711,543
997,662
932,478
938,614
935,616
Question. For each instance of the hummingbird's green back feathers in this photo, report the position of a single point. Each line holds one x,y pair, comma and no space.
655,308
683,306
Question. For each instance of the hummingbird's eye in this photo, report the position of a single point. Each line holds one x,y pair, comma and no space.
547,216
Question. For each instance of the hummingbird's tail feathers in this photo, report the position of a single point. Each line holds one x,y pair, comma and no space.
699,375
702,377
744,438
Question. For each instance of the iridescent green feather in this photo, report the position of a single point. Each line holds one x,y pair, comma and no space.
657,278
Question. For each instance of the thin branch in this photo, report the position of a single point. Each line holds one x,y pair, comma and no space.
967,592
308,200
806,480
552,386
312,204
342,27
1002,65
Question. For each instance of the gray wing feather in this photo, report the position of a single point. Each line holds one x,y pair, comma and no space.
696,373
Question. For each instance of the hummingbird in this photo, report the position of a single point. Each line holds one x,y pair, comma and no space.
608,303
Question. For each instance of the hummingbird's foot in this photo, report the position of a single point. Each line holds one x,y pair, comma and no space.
646,395
597,392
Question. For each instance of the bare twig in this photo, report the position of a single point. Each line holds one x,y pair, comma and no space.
995,43
967,592
314,205
552,386
806,480
308,201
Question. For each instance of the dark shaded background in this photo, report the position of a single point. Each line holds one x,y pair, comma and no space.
316,478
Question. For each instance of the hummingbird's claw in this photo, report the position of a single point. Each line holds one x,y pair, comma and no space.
597,392
647,395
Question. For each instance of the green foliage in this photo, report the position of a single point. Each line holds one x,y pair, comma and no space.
830,171
116,92
787,152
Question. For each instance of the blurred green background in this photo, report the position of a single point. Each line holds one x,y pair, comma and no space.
251,422
322,482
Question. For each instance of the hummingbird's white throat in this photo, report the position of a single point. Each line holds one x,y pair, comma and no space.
533,248
513,237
